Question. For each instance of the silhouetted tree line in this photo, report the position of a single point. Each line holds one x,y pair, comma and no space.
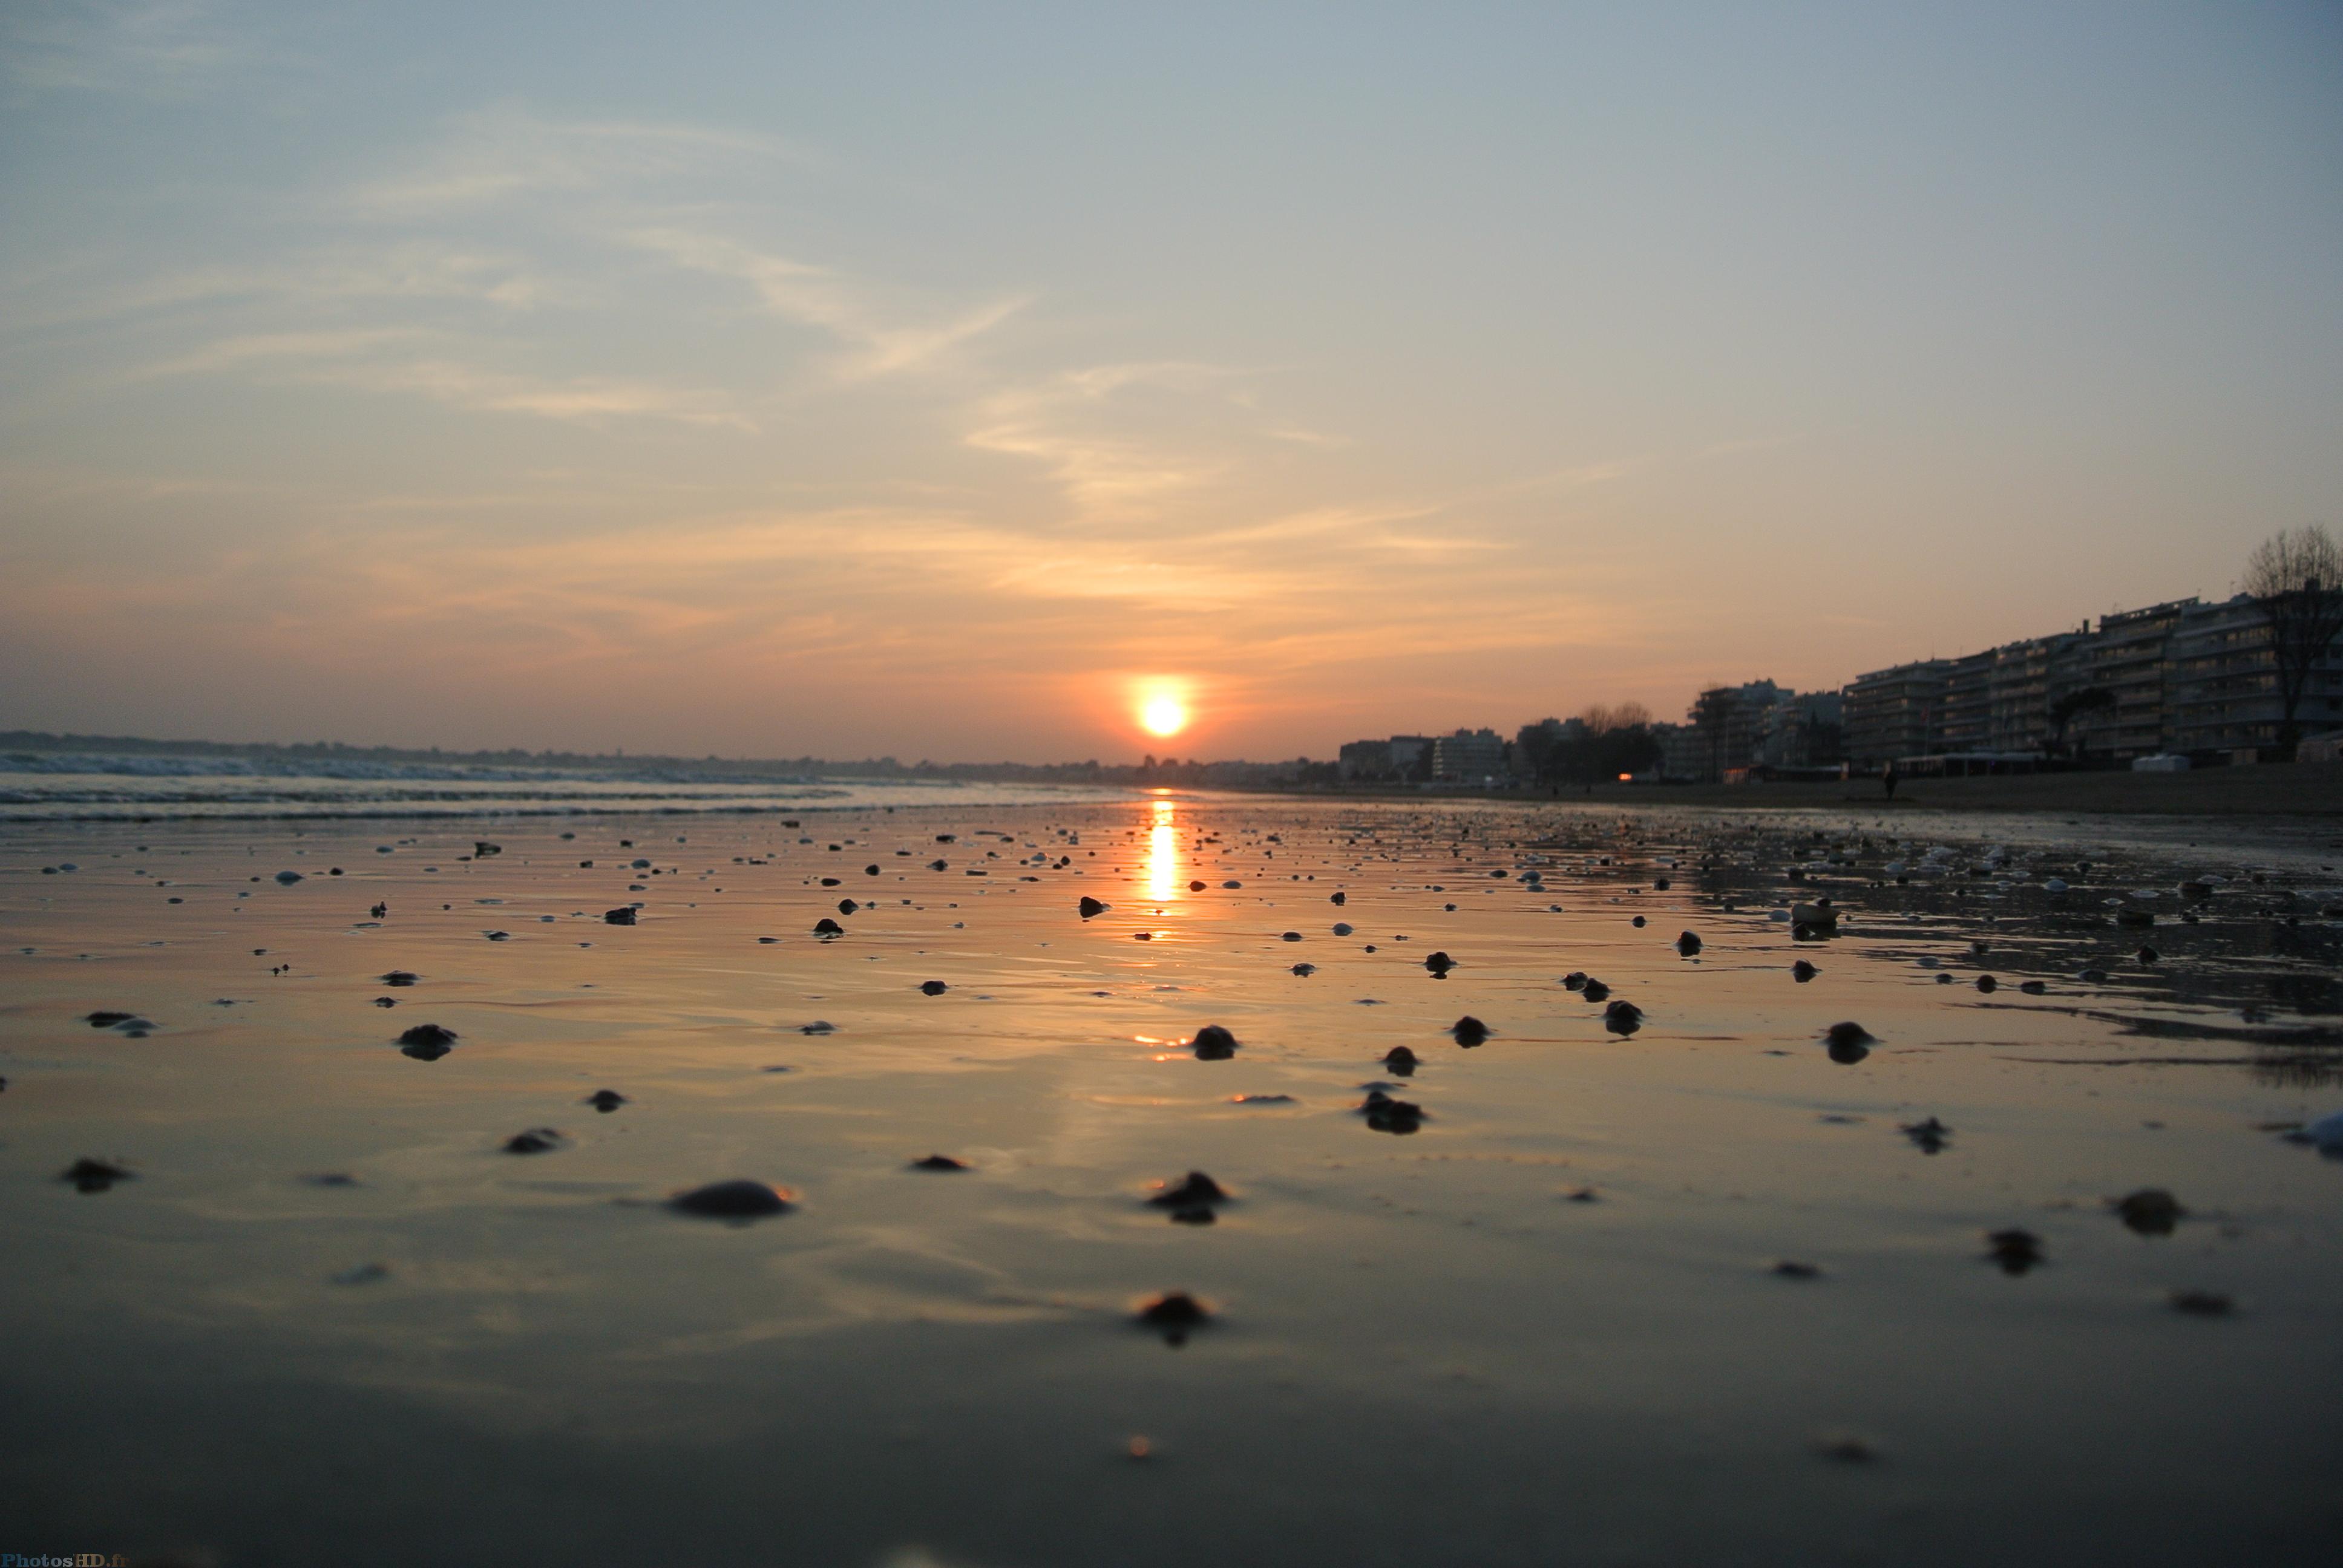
1607,742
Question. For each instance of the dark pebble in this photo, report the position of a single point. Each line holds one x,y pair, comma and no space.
1175,1315
1213,1043
2014,1252
739,1201
1195,1189
2151,1211
1929,1136
606,1100
535,1140
937,1162
90,1175
1469,1032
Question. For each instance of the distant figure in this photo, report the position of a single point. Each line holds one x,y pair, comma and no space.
1887,777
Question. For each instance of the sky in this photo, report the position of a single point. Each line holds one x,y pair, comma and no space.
949,381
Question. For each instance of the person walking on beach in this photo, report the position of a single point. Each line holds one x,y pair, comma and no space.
1887,777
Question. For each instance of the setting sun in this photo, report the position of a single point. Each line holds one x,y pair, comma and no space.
1163,715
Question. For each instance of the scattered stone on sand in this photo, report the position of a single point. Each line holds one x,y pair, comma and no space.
827,927
482,848
1401,1061
1687,943
1339,898
2014,1252
1791,1269
1575,981
1622,1017
1582,1195
1930,1136
1848,1043
1595,991
1802,971
2326,1135
1845,1448
1305,969
622,916
400,977
2201,1303
535,1140
938,1162
847,906
933,987
1261,1099
1385,1114
1469,1032
1343,928
90,1175
818,1026
286,879
606,1100
1815,921
1288,936
2148,955
1175,1314
1439,963
331,1178
1192,1190
2150,1211
428,1034
1213,1043
738,1201
103,1020
1090,907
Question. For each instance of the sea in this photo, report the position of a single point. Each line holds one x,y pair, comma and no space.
97,786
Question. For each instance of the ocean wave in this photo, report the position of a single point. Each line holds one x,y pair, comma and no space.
140,789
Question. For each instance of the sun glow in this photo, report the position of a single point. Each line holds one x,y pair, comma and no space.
1163,714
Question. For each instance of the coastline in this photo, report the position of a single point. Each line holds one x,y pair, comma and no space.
2276,790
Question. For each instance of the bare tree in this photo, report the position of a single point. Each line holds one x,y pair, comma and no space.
1601,719
2297,577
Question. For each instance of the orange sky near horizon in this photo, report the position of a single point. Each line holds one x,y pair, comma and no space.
794,384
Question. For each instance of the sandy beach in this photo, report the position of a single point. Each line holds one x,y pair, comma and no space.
1700,1285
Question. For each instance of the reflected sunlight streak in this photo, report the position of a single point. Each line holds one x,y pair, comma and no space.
1163,856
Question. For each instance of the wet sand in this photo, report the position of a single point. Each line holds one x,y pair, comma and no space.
327,1315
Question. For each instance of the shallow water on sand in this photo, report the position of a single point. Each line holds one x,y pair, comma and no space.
1546,1326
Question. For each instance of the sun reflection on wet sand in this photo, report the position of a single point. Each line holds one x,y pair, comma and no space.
1163,854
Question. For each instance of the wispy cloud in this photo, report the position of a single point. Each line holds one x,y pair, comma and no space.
501,153
823,298
148,47
353,359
